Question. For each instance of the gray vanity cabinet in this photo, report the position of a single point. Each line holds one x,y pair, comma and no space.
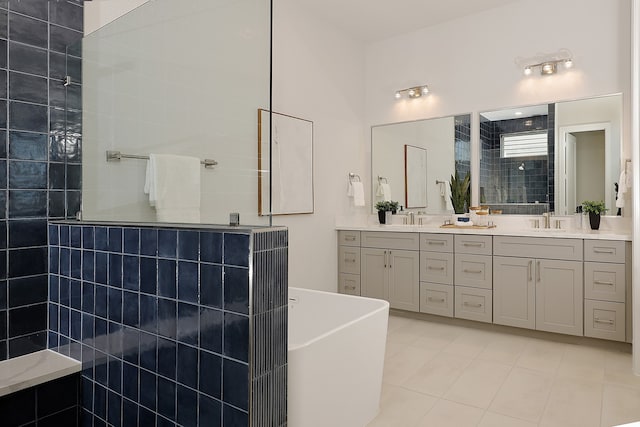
514,292
390,268
436,274
530,290
349,262
606,284
559,296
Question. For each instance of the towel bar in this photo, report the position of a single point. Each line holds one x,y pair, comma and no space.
114,156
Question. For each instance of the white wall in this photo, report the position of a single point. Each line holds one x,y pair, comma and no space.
318,75
98,13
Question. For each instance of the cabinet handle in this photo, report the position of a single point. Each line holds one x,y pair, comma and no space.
350,238
472,271
435,268
390,260
353,288
606,322
473,245
385,259
349,260
468,304
435,299
604,251
600,282
538,271
431,242
530,268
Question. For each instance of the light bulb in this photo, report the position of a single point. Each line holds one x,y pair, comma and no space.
527,71
412,92
425,90
398,95
568,63
548,68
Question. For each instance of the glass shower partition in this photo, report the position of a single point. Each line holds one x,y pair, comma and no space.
183,78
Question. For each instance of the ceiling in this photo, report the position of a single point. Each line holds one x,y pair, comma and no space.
373,20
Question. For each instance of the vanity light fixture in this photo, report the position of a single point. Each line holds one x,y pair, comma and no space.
548,67
413,92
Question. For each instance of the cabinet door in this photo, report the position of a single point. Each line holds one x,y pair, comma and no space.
373,273
404,280
514,292
559,296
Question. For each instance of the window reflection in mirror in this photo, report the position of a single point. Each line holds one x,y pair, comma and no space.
582,159
447,143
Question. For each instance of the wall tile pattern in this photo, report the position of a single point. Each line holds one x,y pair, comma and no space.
501,180
55,403
161,319
40,170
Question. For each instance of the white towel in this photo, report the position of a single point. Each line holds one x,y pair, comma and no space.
173,185
384,190
357,192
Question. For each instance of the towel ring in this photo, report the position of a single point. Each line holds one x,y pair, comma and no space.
382,179
353,177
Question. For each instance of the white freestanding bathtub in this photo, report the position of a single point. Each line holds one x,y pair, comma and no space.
335,358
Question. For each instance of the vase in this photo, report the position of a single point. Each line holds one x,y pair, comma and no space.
594,220
382,216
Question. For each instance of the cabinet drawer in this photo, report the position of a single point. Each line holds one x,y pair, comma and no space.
473,304
349,238
349,259
473,270
436,299
384,240
604,320
436,242
538,247
604,281
349,284
436,267
604,251
479,245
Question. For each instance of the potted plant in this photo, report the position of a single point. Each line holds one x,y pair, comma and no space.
460,192
595,210
383,208
393,207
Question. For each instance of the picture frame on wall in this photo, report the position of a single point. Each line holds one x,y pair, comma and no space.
285,160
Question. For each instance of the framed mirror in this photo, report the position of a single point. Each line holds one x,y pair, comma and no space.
551,157
412,162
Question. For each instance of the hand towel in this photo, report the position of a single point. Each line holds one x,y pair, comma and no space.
173,185
622,183
385,190
358,193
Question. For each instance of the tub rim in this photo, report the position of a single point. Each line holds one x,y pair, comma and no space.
384,305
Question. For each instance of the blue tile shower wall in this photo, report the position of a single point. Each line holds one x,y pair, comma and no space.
54,403
502,183
161,319
39,160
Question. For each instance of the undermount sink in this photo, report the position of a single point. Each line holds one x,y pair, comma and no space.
549,230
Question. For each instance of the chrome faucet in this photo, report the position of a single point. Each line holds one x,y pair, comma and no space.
546,217
412,218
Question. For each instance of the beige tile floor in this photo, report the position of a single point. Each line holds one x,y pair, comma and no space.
443,373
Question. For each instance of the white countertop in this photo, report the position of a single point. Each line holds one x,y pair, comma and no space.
497,231
33,369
